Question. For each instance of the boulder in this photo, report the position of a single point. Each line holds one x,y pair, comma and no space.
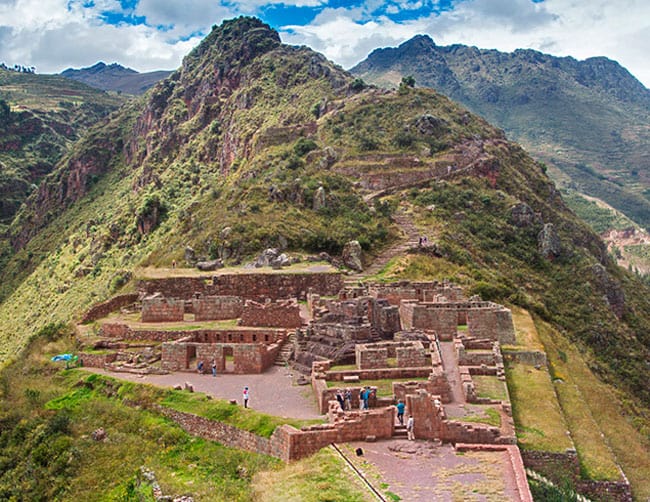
522,215
208,266
190,256
98,434
319,199
352,256
548,242
266,257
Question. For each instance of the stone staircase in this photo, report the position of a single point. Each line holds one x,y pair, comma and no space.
410,240
400,432
286,351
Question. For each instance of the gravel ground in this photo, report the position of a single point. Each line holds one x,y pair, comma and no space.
274,392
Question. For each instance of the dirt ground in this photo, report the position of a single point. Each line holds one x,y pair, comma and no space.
274,392
422,470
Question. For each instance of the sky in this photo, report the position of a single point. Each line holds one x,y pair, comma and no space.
146,35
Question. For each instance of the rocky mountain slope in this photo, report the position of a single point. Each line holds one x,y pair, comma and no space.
115,77
40,117
587,120
252,144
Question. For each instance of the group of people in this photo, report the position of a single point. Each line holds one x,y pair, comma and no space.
200,368
344,399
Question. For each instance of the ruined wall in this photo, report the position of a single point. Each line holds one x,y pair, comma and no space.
234,335
281,314
96,360
504,326
482,323
411,357
252,286
371,358
214,308
101,310
429,317
162,309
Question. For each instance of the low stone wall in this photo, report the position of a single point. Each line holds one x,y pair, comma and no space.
530,357
563,467
215,308
280,314
380,374
101,310
96,360
162,309
236,335
253,286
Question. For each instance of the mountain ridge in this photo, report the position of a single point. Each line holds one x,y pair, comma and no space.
115,77
587,120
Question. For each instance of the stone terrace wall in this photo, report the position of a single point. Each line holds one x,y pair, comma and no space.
248,286
96,360
239,335
101,310
162,309
281,314
215,308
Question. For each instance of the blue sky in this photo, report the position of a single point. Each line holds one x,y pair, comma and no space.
146,35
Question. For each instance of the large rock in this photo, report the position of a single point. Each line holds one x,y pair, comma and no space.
613,292
190,256
522,215
548,242
352,256
267,256
210,265
319,199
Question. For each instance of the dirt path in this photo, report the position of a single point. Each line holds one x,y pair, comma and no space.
410,237
425,471
274,392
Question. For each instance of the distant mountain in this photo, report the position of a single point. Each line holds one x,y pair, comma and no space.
115,77
588,120
40,116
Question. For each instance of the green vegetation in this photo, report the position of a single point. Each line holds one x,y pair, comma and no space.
599,218
487,415
321,477
384,387
490,387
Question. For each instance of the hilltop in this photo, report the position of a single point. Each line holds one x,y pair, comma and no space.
587,120
253,144
115,77
40,117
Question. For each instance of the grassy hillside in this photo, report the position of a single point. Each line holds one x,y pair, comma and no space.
40,117
252,144
589,119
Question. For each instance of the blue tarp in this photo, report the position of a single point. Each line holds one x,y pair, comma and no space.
64,357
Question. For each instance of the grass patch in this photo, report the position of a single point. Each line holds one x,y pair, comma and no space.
489,416
321,477
526,336
490,387
538,417
384,387
591,408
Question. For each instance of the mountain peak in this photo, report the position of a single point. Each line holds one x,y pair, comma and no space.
423,41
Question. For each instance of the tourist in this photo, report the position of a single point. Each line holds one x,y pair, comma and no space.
400,412
347,400
365,395
200,367
214,368
245,395
339,398
409,428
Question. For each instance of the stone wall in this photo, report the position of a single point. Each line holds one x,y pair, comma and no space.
234,335
248,358
412,356
253,286
162,309
214,308
281,314
96,360
369,357
101,310
428,317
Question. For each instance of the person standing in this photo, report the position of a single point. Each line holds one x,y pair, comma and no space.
200,367
409,428
245,395
214,367
347,400
400,412
339,398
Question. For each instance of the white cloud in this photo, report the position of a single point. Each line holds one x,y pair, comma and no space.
580,28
